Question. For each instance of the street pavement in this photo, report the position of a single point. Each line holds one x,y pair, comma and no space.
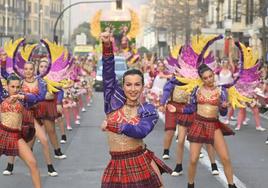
87,156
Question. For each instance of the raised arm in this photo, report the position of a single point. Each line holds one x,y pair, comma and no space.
114,97
168,88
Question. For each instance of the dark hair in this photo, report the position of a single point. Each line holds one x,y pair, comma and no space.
133,72
203,68
12,77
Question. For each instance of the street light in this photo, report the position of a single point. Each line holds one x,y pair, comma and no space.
6,24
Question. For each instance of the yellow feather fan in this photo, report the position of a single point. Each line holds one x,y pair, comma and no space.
175,51
55,50
135,25
199,42
95,27
190,84
236,99
27,50
11,46
250,56
53,87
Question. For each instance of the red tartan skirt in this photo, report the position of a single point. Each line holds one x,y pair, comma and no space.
132,169
203,129
47,110
175,118
28,117
9,141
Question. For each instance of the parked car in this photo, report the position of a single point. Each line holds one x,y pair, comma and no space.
120,68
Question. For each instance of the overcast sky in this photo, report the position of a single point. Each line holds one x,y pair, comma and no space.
85,12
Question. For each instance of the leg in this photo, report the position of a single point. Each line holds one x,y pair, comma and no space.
180,145
62,130
241,117
51,131
195,149
180,150
256,115
66,113
40,134
222,150
27,156
167,142
211,155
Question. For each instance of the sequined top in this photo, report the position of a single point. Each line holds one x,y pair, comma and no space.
207,103
205,97
11,114
28,89
121,142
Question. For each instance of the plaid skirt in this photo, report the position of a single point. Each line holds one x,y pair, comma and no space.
47,110
9,141
175,118
132,169
28,116
203,130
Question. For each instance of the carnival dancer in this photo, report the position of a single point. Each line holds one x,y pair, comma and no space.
246,85
49,110
208,101
160,79
11,137
128,122
30,85
225,77
182,63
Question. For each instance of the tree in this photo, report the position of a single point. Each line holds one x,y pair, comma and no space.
83,28
180,17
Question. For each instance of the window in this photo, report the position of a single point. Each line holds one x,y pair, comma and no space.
35,26
35,8
237,10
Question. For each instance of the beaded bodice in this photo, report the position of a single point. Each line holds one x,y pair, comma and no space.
120,142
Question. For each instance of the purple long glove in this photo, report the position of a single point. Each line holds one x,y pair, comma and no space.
223,98
148,118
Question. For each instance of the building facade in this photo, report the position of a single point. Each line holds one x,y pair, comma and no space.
34,19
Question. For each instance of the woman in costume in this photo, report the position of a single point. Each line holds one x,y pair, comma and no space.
30,85
183,63
49,110
246,85
11,141
160,79
128,122
207,101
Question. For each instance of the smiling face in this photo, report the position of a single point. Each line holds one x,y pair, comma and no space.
43,66
208,78
29,70
133,87
13,87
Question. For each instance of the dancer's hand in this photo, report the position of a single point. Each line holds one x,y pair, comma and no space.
162,108
224,104
105,37
59,108
171,108
104,125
